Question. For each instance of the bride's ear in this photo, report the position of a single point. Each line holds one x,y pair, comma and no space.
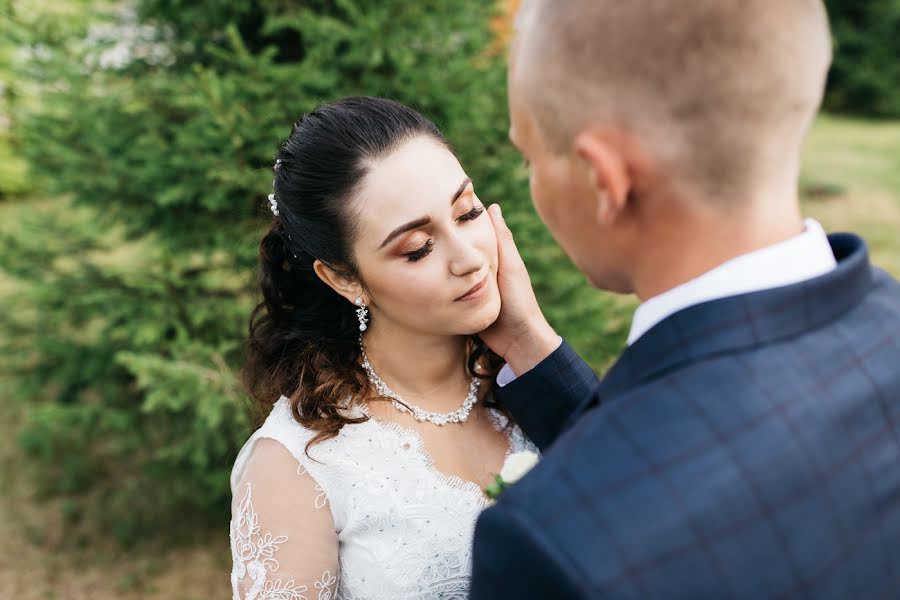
347,287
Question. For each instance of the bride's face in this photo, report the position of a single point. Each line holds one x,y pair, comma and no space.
425,248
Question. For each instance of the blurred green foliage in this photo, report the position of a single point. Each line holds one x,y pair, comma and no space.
13,167
138,278
865,76
152,133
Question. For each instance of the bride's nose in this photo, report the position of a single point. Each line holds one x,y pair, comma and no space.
465,258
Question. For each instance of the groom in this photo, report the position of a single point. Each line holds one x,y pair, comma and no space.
747,442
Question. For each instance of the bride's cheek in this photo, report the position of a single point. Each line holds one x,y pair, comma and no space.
421,289
488,240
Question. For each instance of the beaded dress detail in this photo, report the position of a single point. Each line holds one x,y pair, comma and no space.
369,516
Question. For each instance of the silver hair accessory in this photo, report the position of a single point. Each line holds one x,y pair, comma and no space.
273,203
362,313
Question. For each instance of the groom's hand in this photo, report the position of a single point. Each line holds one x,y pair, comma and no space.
521,334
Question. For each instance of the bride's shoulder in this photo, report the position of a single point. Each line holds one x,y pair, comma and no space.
518,441
281,435
281,425
275,438
281,418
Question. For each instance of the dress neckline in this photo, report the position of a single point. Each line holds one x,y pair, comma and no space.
454,482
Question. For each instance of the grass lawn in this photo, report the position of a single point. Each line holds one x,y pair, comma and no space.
856,162
863,158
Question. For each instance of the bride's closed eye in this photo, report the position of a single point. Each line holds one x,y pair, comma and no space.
472,214
425,250
421,252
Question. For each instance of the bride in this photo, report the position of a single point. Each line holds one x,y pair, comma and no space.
366,476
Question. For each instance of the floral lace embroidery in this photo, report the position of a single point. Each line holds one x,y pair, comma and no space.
325,585
405,527
321,498
253,555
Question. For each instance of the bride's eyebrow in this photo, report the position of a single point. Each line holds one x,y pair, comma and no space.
462,188
404,228
421,222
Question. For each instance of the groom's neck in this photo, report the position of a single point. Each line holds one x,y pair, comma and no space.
685,244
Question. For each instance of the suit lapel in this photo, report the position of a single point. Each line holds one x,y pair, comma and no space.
736,322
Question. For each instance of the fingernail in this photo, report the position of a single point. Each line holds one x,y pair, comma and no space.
496,209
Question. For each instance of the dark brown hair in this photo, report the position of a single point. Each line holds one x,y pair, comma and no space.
303,336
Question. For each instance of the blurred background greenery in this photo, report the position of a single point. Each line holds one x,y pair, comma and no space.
136,145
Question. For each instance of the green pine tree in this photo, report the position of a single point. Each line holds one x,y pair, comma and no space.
153,140
865,77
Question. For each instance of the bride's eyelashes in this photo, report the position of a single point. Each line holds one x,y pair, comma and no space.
425,250
472,214
421,252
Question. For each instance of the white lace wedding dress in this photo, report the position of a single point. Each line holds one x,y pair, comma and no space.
370,517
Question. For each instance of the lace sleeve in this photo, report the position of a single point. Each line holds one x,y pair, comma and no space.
283,540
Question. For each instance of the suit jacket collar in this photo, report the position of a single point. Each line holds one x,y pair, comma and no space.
798,258
746,320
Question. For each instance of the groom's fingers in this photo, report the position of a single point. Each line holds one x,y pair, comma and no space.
509,253
521,334
499,222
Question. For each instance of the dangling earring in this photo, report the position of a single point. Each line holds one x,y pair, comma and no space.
362,313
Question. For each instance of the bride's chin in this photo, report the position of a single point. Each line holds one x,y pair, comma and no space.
484,318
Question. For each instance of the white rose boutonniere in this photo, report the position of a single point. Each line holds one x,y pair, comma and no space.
514,468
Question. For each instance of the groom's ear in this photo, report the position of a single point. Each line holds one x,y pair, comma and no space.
606,167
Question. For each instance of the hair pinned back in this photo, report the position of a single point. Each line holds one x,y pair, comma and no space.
303,336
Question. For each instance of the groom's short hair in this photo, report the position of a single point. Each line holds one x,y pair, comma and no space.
714,86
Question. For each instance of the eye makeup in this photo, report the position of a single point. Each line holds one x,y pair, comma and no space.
472,214
426,249
421,222
421,253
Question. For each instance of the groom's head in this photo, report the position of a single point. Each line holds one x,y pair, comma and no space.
648,111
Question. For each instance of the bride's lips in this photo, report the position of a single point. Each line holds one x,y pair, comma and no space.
477,291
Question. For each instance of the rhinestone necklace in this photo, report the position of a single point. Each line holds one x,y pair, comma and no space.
457,416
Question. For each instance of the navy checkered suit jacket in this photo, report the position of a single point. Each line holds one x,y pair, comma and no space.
747,447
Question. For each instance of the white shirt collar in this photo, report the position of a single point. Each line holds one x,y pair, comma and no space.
804,256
